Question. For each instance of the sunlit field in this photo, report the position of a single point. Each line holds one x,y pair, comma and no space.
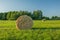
41,30
36,24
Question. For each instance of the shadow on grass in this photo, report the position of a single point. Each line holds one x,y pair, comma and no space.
45,28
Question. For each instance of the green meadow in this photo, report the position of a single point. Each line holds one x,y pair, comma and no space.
36,24
41,30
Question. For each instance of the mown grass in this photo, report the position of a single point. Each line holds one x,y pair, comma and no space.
47,30
47,24
37,24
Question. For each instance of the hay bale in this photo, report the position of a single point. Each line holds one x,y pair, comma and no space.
43,20
24,22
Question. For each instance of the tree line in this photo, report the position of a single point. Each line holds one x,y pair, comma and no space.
35,15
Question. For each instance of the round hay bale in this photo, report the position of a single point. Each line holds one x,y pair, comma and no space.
24,22
43,20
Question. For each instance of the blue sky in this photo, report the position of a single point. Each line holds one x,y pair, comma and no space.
48,7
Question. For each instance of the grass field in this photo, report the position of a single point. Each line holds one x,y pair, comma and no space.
47,30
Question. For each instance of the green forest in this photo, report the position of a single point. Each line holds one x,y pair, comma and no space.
35,15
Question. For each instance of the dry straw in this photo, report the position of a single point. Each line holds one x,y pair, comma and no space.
24,22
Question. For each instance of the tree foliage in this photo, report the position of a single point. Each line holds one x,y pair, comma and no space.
13,15
35,15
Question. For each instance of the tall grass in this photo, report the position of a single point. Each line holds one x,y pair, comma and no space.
8,31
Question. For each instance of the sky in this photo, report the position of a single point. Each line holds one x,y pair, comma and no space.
48,7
